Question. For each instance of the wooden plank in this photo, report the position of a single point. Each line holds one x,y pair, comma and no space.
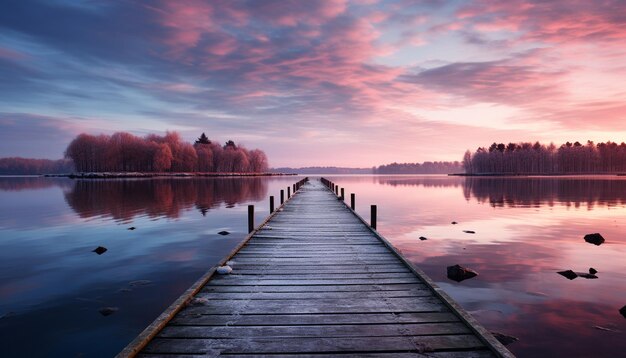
362,330
253,281
296,306
314,288
313,345
313,319
425,292
462,354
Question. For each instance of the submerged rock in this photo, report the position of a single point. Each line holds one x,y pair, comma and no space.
505,339
595,239
423,238
586,275
223,233
224,270
459,273
569,274
593,271
469,231
107,311
99,250
623,311
131,228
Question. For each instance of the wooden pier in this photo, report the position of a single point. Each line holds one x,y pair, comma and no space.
315,280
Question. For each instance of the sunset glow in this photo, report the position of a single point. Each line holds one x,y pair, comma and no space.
336,82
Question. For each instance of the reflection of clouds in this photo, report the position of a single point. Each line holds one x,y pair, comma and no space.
125,199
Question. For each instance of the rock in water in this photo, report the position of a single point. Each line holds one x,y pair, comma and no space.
423,238
224,270
595,239
469,231
569,274
593,271
586,275
458,273
223,233
132,228
99,250
504,338
623,311
454,223
139,283
107,311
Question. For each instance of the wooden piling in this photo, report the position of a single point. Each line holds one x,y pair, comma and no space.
352,201
373,217
271,204
250,218
282,196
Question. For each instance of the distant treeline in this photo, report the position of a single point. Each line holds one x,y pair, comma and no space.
417,168
21,166
323,170
537,158
124,152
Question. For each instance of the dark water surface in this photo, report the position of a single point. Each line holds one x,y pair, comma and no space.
52,285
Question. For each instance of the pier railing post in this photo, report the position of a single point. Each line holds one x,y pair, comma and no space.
288,192
352,201
282,197
271,204
250,218
294,188
337,190
342,195
373,217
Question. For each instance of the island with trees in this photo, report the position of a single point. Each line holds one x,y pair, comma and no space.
539,159
124,154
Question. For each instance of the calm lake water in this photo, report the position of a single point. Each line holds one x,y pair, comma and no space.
52,285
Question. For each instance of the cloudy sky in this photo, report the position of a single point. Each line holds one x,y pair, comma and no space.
336,82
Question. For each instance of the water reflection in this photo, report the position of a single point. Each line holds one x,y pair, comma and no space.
537,191
9,183
125,199
527,229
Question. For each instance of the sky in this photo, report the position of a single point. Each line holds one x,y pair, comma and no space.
330,83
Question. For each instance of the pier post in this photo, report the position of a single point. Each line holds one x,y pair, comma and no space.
282,197
294,188
288,192
271,204
250,218
342,195
352,201
337,190
373,217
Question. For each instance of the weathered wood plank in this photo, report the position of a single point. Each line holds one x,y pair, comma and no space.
362,330
313,345
296,306
312,319
425,292
314,288
462,354
234,280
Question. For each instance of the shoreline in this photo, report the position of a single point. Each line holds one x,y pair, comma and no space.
116,175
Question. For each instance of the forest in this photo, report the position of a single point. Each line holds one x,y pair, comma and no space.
537,158
417,168
124,152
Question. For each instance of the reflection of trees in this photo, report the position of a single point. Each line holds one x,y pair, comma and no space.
512,192
31,183
440,181
124,199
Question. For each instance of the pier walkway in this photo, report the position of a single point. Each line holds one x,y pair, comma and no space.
316,281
